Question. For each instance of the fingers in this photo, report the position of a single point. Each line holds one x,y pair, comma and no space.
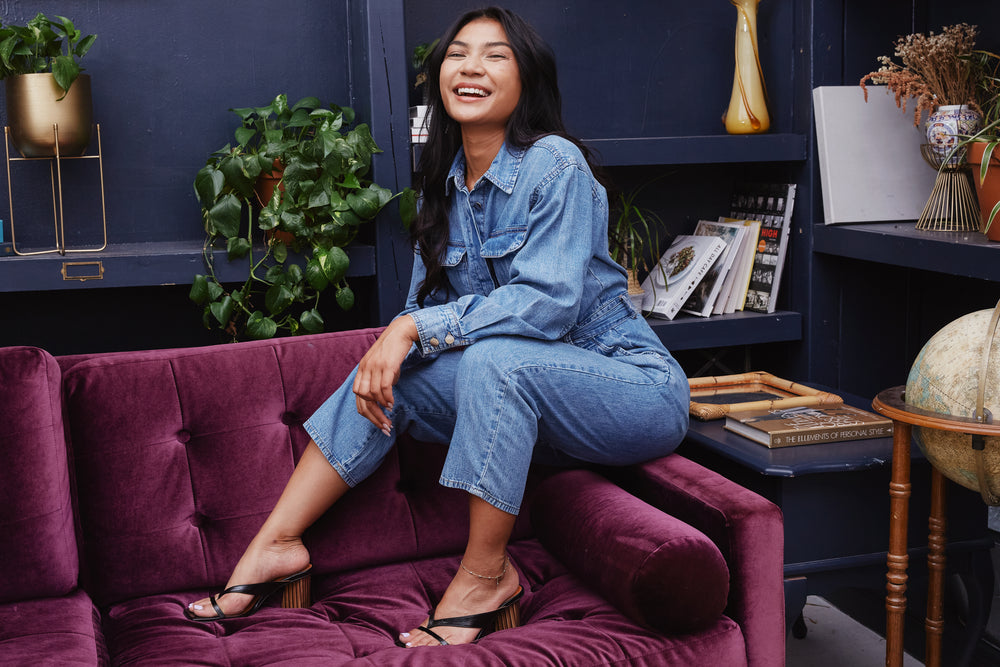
373,413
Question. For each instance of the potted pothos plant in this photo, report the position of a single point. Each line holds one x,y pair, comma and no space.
39,62
293,237
633,237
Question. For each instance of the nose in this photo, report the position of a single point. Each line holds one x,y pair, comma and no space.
472,65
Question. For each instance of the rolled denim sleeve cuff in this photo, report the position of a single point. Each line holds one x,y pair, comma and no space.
437,329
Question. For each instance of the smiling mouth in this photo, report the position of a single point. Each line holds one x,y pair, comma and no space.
471,92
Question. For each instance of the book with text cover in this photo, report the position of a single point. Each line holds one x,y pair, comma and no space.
808,425
678,273
703,298
772,204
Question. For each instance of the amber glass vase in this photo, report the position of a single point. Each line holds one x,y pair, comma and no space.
747,113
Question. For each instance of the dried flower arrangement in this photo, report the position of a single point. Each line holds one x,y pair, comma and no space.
936,70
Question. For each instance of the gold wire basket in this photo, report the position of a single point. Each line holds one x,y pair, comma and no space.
952,206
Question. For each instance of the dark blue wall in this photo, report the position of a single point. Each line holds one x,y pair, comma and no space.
164,75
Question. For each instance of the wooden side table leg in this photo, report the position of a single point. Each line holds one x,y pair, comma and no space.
935,568
899,503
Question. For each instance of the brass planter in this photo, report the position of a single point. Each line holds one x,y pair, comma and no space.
33,107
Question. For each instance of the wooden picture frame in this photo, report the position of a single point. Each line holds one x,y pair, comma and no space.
715,397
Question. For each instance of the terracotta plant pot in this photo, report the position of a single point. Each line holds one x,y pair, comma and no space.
988,191
264,189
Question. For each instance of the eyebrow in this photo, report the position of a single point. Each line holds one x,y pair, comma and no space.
488,45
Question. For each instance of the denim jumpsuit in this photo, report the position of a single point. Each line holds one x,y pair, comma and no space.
535,353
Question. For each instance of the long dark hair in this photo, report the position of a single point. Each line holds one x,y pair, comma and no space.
538,113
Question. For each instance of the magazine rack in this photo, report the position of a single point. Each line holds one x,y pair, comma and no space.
58,211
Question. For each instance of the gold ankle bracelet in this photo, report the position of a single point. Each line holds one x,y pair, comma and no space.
496,579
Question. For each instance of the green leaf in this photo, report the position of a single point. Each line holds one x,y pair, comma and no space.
236,177
315,275
408,206
351,181
345,298
237,247
312,321
215,290
64,71
334,263
260,326
225,215
222,311
365,203
244,135
80,50
278,298
199,290
208,184
993,214
347,218
280,251
307,103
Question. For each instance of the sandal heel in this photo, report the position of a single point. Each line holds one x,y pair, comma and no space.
296,594
508,618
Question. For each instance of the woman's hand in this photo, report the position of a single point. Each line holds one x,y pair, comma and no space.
378,371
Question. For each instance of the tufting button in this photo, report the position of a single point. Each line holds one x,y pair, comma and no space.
290,419
198,519
183,436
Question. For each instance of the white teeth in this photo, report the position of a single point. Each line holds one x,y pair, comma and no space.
472,91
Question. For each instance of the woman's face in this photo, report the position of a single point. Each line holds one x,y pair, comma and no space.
480,81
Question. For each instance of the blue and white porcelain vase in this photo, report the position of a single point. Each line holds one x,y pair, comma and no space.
946,125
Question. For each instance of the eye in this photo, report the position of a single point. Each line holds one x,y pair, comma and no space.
455,54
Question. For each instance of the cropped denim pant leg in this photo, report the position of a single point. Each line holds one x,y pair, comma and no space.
503,401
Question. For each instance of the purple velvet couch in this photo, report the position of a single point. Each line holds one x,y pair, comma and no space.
132,482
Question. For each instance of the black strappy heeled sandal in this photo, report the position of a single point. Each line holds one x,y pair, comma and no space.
504,617
295,593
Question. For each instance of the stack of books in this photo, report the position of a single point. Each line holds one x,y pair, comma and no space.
732,264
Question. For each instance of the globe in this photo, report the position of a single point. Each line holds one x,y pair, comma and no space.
945,378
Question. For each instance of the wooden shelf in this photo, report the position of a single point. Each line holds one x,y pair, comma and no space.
136,264
968,254
689,332
707,149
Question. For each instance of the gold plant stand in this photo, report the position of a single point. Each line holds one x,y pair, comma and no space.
55,176
952,206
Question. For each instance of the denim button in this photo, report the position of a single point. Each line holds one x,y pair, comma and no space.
434,342
449,339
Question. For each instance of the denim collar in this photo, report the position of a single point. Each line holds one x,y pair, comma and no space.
502,173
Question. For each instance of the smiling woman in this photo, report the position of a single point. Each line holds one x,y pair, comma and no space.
518,342
480,88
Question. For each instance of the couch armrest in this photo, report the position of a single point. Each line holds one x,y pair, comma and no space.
748,530
656,569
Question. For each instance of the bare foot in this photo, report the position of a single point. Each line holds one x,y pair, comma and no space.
465,595
264,560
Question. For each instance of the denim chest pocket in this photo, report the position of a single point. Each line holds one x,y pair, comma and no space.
456,266
505,242
501,248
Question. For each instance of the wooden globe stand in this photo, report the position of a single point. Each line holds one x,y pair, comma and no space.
892,404
952,206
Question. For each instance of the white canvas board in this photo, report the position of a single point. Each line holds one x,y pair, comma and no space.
869,156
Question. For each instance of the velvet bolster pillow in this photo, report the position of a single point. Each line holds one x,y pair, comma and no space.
656,569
